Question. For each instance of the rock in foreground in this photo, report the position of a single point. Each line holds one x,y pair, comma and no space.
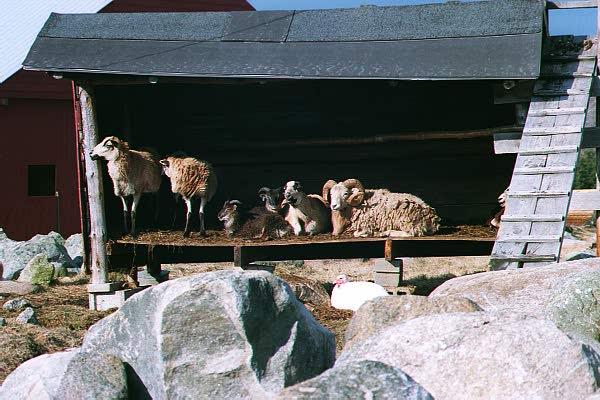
485,356
225,334
358,380
381,312
37,378
565,293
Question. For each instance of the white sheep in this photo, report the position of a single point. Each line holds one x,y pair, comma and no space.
132,172
307,213
378,212
191,178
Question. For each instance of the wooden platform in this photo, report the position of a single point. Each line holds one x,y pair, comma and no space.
170,247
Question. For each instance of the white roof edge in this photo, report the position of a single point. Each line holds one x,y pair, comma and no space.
21,21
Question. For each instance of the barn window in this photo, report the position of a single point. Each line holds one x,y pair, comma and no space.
41,180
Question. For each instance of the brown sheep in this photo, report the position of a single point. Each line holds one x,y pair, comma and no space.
132,172
191,178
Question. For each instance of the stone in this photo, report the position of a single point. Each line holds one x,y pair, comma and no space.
38,271
60,270
2,321
27,316
14,255
358,380
37,378
224,334
481,355
16,304
579,256
565,293
90,377
379,313
74,246
8,288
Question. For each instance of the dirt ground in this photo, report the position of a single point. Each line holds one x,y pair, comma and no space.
64,316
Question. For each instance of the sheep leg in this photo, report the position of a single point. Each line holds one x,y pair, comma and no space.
125,212
136,200
201,215
188,204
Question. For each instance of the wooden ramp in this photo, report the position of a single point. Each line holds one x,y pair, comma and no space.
541,186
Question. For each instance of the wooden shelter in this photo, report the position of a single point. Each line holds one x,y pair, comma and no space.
408,98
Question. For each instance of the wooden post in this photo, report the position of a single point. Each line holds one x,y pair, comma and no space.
95,192
595,124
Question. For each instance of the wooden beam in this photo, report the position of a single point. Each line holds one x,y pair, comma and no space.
243,255
93,176
558,4
509,142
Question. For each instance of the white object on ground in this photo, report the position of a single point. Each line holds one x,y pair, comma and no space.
351,295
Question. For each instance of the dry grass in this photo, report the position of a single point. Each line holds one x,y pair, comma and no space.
63,313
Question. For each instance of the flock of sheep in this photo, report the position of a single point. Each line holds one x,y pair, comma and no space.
342,207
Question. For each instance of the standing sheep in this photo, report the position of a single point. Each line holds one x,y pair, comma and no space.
132,172
191,178
378,212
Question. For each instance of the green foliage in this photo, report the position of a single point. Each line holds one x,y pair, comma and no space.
585,175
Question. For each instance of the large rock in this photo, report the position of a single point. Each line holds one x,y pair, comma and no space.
37,378
358,380
14,255
485,356
379,313
38,271
8,288
92,377
225,334
74,246
566,293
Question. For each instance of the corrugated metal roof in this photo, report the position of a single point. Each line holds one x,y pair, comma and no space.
479,40
21,20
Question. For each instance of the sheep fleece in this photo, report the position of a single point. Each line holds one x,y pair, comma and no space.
136,172
404,212
191,177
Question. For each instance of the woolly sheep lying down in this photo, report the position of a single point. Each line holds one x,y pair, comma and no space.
378,212
257,223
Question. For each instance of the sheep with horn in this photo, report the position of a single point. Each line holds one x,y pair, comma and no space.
378,212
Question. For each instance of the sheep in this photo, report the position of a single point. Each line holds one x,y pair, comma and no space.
191,178
272,198
307,213
495,221
251,224
377,212
132,172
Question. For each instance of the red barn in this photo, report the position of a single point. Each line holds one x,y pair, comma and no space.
37,154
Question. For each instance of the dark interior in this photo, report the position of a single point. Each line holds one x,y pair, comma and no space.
264,133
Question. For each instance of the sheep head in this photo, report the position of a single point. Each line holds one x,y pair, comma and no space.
229,209
167,164
109,148
271,197
341,195
293,193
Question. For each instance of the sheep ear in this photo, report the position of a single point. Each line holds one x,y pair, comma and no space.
164,162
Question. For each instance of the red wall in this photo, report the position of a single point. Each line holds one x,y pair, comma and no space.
37,127
37,131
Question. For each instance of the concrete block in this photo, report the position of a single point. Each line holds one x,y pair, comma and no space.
107,300
388,273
